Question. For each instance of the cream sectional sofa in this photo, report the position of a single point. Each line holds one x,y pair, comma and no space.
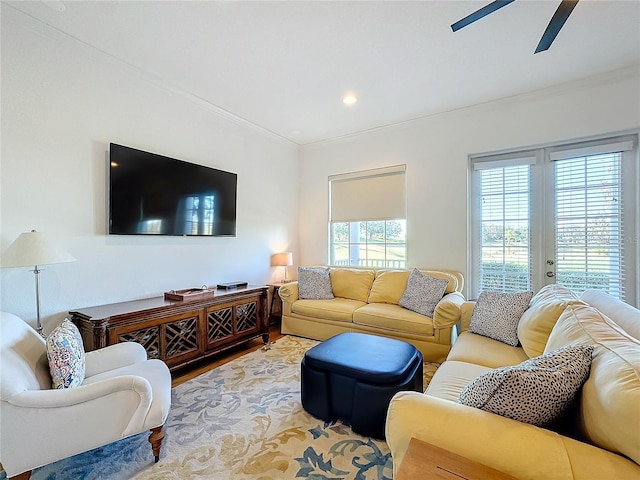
604,427
366,300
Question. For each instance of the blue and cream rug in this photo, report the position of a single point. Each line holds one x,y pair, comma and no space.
243,420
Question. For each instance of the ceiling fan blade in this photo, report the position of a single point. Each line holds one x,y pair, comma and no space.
557,21
478,14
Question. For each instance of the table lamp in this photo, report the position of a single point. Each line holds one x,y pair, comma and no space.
284,259
31,249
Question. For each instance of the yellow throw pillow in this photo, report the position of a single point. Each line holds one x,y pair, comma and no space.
537,321
389,286
351,283
610,397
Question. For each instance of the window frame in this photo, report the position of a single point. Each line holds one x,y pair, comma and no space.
370,263
365,182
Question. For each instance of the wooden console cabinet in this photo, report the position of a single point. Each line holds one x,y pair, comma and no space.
178,332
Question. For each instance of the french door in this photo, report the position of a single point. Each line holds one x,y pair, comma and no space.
564,214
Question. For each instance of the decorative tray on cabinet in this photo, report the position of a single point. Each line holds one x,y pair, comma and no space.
189,294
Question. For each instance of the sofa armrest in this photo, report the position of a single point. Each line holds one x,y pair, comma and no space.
67,397
521,450
447,311
288,294
113,356
466,310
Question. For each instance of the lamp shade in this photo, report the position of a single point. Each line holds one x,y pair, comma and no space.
34,248
284,259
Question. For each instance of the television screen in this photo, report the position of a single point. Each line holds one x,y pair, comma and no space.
151,194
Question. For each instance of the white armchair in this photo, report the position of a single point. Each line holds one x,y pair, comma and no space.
123,394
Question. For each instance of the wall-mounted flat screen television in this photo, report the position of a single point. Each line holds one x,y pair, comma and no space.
150,194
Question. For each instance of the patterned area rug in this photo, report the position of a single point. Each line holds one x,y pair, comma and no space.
243,420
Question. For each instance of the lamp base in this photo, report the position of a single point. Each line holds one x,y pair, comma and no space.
36,273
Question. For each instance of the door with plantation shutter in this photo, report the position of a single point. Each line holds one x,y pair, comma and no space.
589,223
566,214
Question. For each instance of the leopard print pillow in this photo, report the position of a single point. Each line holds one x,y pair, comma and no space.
314,283
537,391
496,315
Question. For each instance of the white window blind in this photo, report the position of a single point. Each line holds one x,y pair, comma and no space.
378,194
503,217
589,223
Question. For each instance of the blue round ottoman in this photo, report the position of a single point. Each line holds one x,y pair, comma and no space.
353,376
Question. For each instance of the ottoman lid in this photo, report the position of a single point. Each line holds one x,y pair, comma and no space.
370,358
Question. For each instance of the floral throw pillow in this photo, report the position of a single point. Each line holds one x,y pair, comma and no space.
65,353
537,391
423,293
496,315
314,283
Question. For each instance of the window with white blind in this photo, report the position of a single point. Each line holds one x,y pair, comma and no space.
565,214
503,197
367,218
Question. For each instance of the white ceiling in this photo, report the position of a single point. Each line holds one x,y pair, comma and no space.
284,66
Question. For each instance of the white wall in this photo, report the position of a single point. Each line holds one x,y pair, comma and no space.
436,150
62,103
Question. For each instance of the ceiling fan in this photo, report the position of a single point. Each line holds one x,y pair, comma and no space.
555,24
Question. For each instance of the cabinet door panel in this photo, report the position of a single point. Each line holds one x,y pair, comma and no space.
220,324
173,339
247,317
181,337
149,338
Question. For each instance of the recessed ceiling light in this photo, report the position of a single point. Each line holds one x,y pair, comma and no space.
349,99
56,5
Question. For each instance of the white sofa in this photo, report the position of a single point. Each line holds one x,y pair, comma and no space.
600,439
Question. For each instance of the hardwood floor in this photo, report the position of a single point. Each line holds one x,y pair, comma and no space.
192,371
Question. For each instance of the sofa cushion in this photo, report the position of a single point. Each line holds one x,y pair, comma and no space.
423,293
609,412
452,377
388,286
485,351
352,283
537,391
338,309
65,353
623,314
496,315
393,317
536,322
314,283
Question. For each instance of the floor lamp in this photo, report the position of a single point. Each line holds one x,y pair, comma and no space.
32,249
284,259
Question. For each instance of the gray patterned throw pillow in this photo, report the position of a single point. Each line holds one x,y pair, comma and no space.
537,391
423,293
496,315
314,283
